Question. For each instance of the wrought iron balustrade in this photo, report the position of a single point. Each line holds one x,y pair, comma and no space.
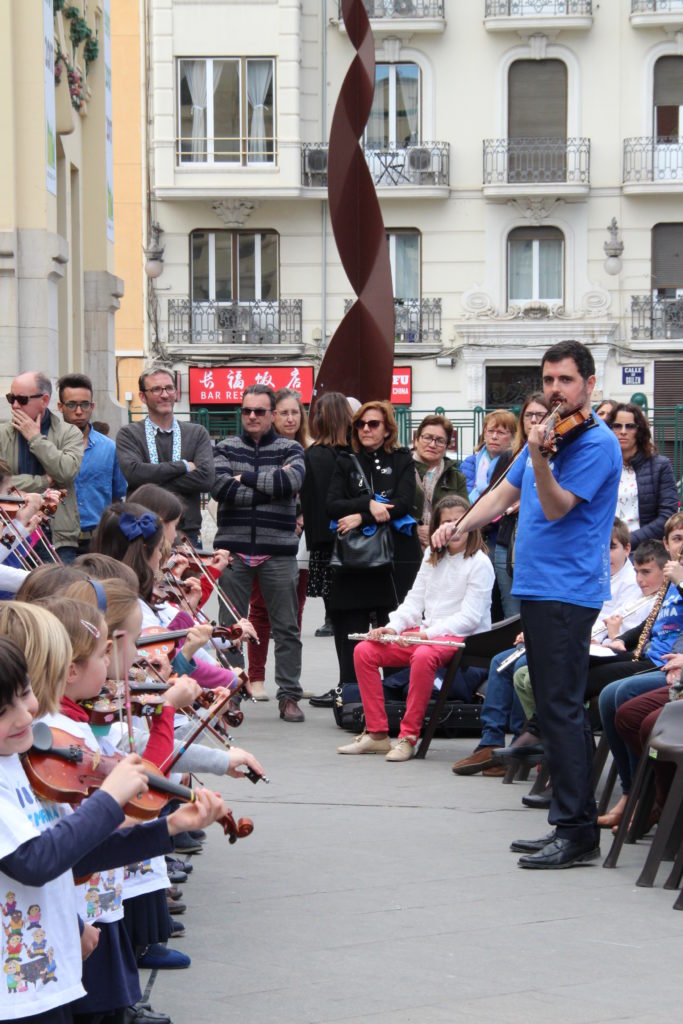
231,323
536,161
421,164
536,8
650,159
655,6
654,318
401,8
415,320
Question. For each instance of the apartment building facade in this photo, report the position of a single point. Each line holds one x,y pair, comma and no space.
528,158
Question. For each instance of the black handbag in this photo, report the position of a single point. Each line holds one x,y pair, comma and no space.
356,551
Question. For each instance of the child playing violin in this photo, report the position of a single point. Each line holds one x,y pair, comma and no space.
450,599
40,842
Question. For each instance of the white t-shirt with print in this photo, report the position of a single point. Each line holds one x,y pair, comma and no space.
41,948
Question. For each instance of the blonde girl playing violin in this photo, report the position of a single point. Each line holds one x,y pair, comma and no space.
40,841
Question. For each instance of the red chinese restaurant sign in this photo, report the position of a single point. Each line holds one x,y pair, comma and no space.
224,385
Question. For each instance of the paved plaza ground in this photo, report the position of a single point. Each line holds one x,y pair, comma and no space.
385,893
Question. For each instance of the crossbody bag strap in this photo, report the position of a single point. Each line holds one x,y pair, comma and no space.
362,475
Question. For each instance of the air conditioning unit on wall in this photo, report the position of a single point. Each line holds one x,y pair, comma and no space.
315,164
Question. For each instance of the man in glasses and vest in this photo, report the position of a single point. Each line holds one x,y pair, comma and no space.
160,449
258,476
43,451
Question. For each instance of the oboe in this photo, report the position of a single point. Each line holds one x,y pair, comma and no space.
393,638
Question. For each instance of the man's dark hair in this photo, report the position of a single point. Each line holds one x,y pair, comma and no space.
260,389
651,551
73,380
571,350
153,370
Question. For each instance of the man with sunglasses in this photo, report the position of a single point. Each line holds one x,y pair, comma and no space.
43,451
258,476
161,450
100,480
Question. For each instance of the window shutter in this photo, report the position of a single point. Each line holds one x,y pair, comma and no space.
668,90
667,256
537,100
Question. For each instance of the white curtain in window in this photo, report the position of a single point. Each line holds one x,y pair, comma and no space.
550,269
520,270
195,76
259,77
407,269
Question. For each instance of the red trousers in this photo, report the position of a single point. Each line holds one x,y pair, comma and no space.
634,721
258,616
424,660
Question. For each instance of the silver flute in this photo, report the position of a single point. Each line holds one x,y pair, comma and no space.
392,638
598,628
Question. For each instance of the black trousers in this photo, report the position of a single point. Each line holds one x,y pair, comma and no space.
557,636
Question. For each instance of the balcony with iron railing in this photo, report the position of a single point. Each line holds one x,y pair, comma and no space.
417,322
422,168
536,167
243,326
664,14
653,165
402,17
655,319
537,15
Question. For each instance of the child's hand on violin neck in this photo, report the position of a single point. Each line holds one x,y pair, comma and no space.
206,809
197,636
184,691
126,780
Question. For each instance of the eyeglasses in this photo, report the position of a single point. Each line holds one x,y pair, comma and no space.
256,412
369,424
20,399
156,391
438,442
624,426
534,415
72,406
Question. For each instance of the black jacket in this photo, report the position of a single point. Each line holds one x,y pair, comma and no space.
391,474
657,496
320,460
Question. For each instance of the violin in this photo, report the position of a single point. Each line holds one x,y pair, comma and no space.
562,430
233,718
155,640
10,505
61,768
105,709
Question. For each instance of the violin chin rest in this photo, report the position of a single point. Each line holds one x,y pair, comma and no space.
42,737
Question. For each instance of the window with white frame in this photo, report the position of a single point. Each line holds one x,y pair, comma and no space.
395,115
535,265
404,255
229,266
226,111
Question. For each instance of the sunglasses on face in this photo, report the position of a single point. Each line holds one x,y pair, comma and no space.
369,424
624,426
20,399
255,412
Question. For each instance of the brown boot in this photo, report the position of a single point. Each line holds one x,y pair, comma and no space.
290,710
476,762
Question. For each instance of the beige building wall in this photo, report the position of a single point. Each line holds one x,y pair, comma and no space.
464,59
58,292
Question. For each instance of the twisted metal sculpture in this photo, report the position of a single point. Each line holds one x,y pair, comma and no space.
359,359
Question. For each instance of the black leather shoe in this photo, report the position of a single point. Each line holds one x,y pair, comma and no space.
532,845
524,752
540,801
324,700
324,630
561,853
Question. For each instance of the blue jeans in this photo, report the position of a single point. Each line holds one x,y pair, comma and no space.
510,604
610,700
501,703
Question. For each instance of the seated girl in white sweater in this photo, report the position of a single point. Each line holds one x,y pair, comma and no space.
450,599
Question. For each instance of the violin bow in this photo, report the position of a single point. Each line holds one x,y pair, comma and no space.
195,613
174,757
188,551
189,712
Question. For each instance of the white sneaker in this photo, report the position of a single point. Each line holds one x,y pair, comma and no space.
404,750
365,744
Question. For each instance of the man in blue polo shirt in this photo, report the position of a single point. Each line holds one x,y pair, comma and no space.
99,481
562,577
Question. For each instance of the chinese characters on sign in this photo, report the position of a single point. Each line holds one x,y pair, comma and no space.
224,385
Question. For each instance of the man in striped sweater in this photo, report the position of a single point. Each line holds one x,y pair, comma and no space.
258,476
